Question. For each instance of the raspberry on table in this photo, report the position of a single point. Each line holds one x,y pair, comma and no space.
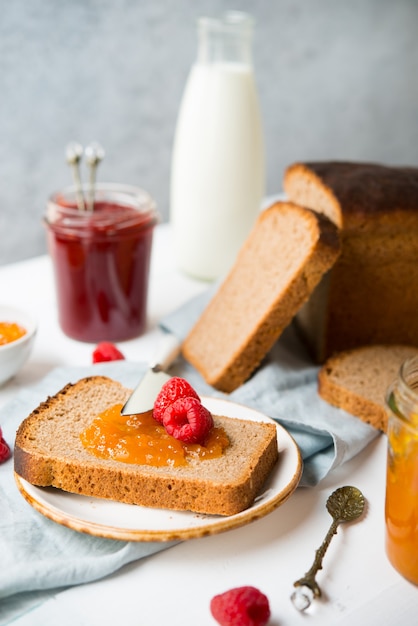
4,449
242,606
171,391
106,351
188,420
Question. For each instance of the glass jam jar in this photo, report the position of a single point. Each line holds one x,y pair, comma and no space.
101,261
401,509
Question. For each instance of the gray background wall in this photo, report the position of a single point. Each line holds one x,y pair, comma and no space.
336,80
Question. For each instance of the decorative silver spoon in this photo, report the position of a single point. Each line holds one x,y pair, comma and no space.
344,505
74,153
94,155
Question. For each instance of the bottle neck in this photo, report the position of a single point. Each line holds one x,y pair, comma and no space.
228,39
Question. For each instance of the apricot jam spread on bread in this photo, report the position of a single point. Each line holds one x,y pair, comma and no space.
140,439
179,427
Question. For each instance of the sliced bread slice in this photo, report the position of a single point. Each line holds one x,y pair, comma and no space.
278,267
357,380
49,452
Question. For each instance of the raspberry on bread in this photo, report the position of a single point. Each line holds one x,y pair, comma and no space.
171,391
188,420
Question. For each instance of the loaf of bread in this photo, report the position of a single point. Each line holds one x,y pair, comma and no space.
358,380
49,452
276,270
371,294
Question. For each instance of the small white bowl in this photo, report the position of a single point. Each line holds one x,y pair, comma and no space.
14,354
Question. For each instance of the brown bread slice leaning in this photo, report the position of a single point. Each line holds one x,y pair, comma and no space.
276,270
357,380
49,452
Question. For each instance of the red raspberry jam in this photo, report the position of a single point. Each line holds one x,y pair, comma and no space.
101,262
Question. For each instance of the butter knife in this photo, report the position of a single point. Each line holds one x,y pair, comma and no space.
143,397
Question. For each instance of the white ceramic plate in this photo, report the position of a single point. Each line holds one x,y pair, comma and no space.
115,520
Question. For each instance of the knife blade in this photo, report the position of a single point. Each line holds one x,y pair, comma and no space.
143,397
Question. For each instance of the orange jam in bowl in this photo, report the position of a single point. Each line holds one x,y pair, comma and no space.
141,440
10,331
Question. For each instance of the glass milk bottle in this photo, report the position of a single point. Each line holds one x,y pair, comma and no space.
217,179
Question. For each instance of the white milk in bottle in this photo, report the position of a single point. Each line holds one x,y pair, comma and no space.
217,179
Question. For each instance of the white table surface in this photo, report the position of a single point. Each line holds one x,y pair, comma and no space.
175,586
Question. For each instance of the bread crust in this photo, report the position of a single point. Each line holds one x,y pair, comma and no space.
44,456
261,294
357,191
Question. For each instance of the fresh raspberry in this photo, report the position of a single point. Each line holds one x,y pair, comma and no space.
242,606
4,449
106,351
187,420
171,391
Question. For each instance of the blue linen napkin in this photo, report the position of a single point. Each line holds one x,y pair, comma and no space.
38,557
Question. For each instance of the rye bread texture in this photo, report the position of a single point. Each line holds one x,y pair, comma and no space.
370,296
281,262
48,452
358,380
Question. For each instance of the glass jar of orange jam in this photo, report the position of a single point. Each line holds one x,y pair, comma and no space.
401,509
140,439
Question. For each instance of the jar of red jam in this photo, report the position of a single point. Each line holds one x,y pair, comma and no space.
101,261
401,507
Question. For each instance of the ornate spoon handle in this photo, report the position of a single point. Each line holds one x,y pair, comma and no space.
344,505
